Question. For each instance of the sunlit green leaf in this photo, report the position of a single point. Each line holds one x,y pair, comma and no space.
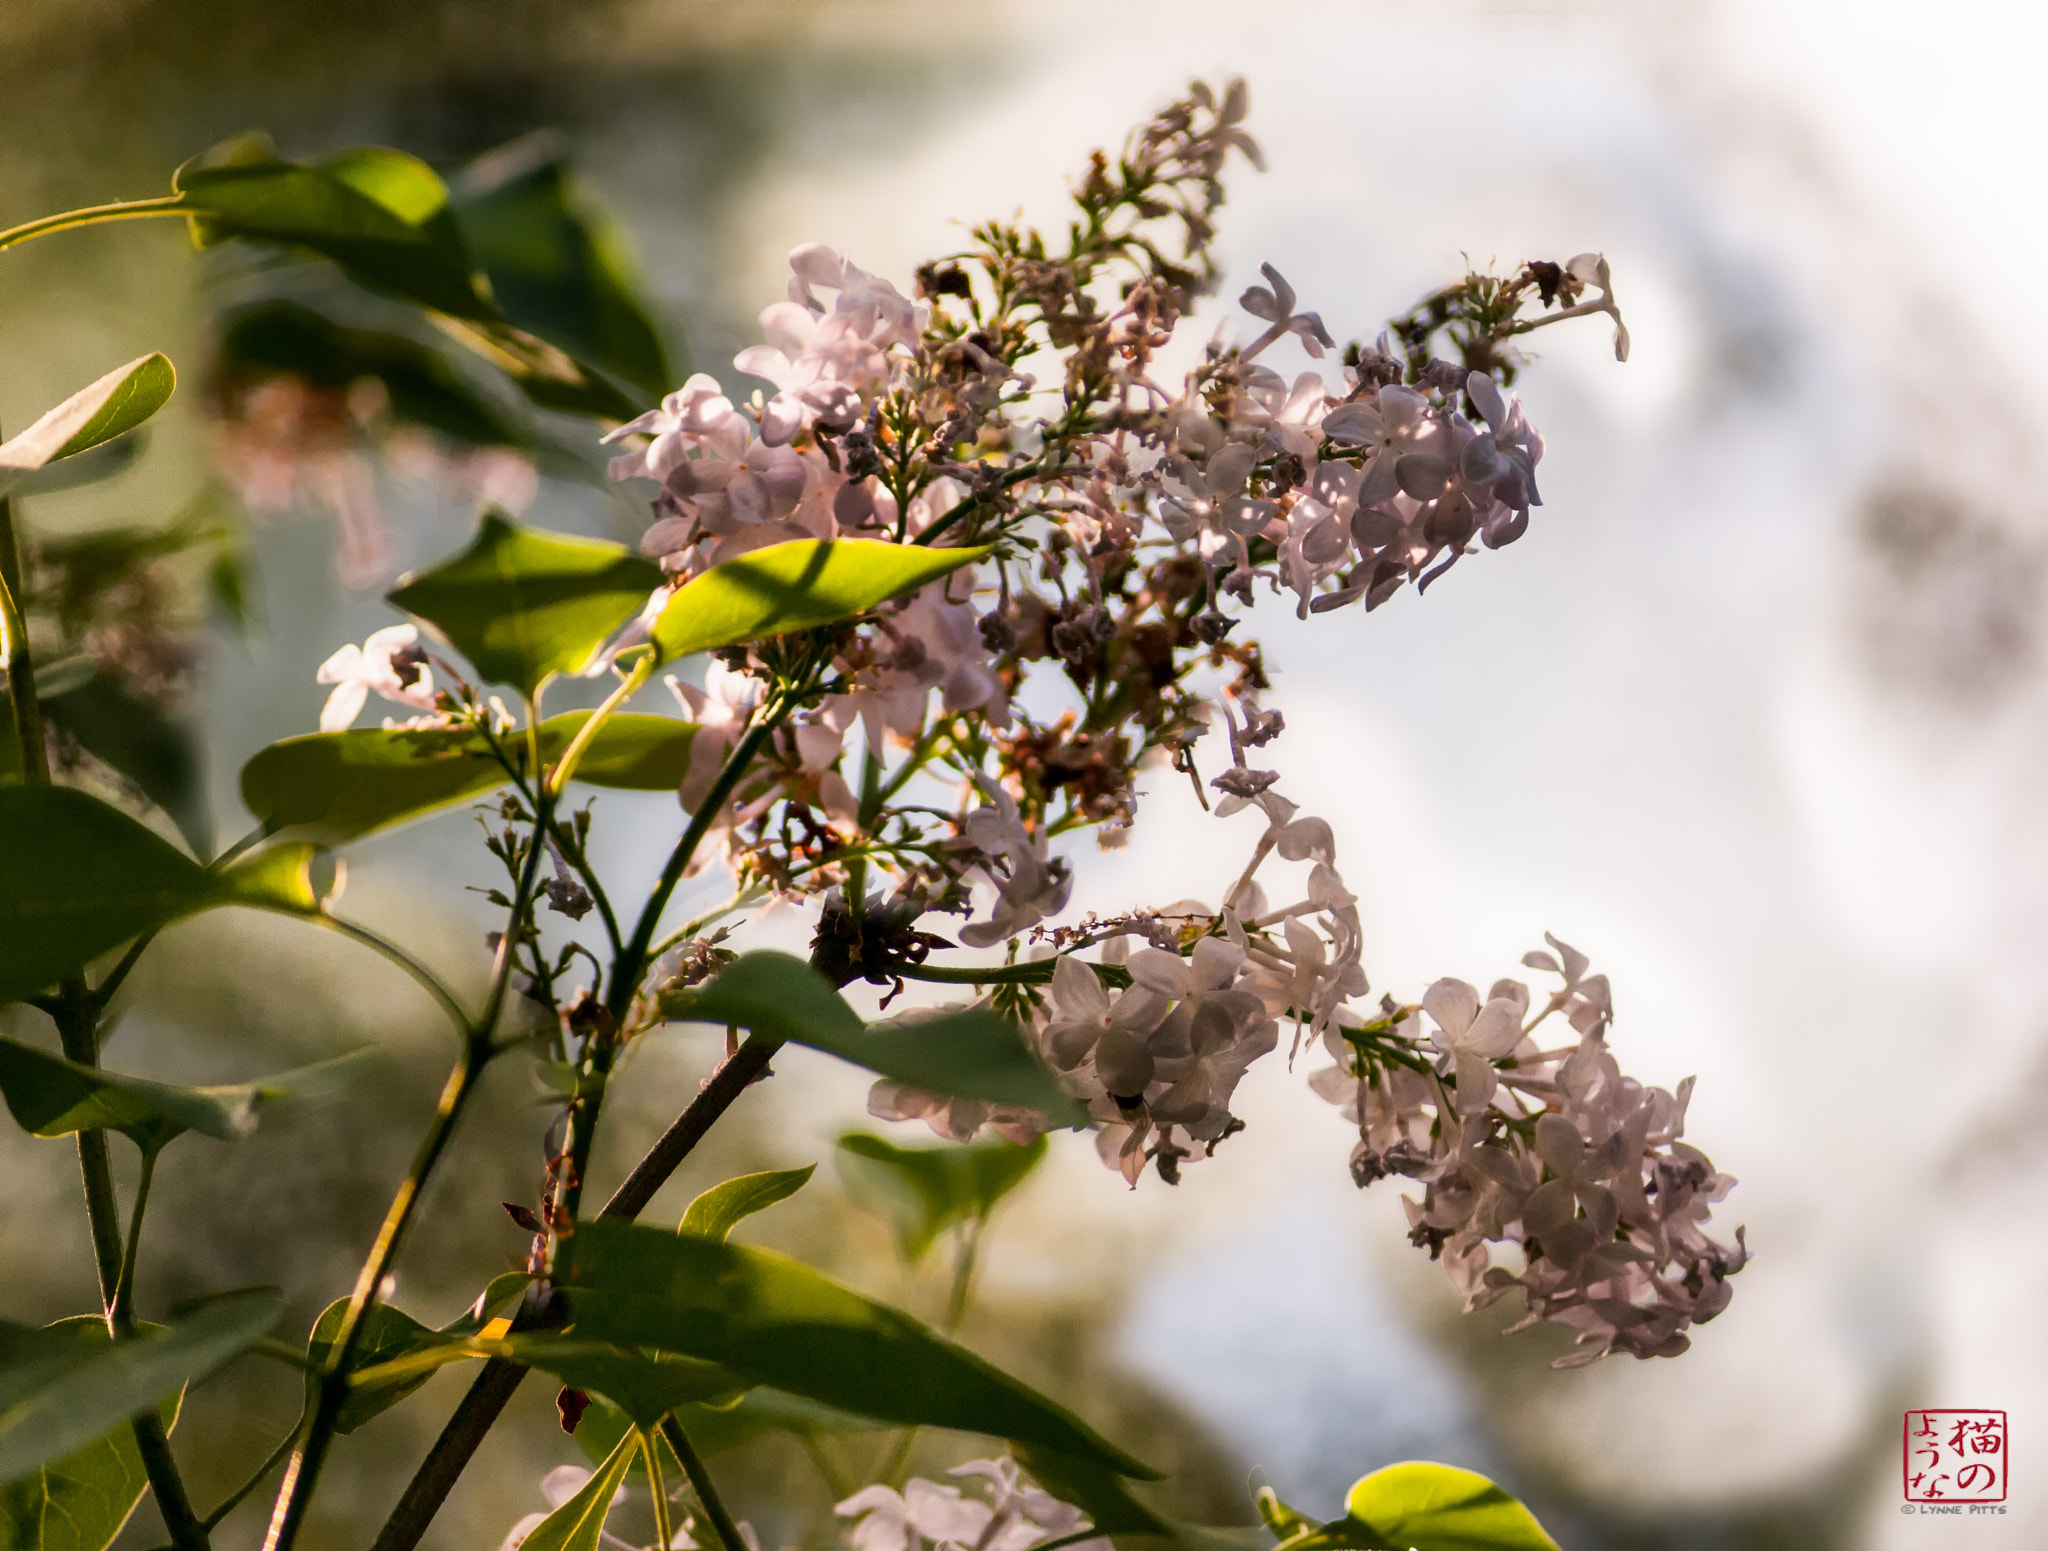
975,1054
501,1290
557,263
334,786
778,1322
118,402
1424,1507
378,214
630,752
407,187
58,1393
278,878
80,1502
577,1524
797,585
386,1333
133,736
523,605
923,1191
715,1213
50,1096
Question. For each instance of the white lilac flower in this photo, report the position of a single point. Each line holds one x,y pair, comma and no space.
885,1520
391,661
1276,306
1473,1036
1504,458
875,307
1024,1515
1030,885
695,412
721,711
1209,504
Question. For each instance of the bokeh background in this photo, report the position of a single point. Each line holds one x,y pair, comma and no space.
1755,715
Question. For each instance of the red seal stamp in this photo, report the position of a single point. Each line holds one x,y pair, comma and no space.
1954,1457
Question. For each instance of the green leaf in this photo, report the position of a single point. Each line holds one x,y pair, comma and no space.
335,786
975,1054
557,263
77,877
387,1333
58,1393
118,402
499,1291
630,752
1424,1507
774,994
577,1524
778,1322
278,878
797,585
407,187
80,1502
50,1096
524,605
134,737
714,1214
923,1191
378,214
645,1385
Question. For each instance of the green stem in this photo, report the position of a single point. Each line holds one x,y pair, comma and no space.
283,1352
103,993
21,669
491,1390
301,1475
744,899
234,1498
651,1453
77,1017
1072,1539
123,1304
857,869
700,1480
186,1531
963,1273
626,973
565,767
426,978
94,215
1034,972
571,850
77,1030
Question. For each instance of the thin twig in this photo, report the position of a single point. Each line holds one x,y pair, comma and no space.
234,1498
700,1478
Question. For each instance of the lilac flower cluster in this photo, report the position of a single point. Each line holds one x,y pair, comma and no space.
1554,1152
1129,524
